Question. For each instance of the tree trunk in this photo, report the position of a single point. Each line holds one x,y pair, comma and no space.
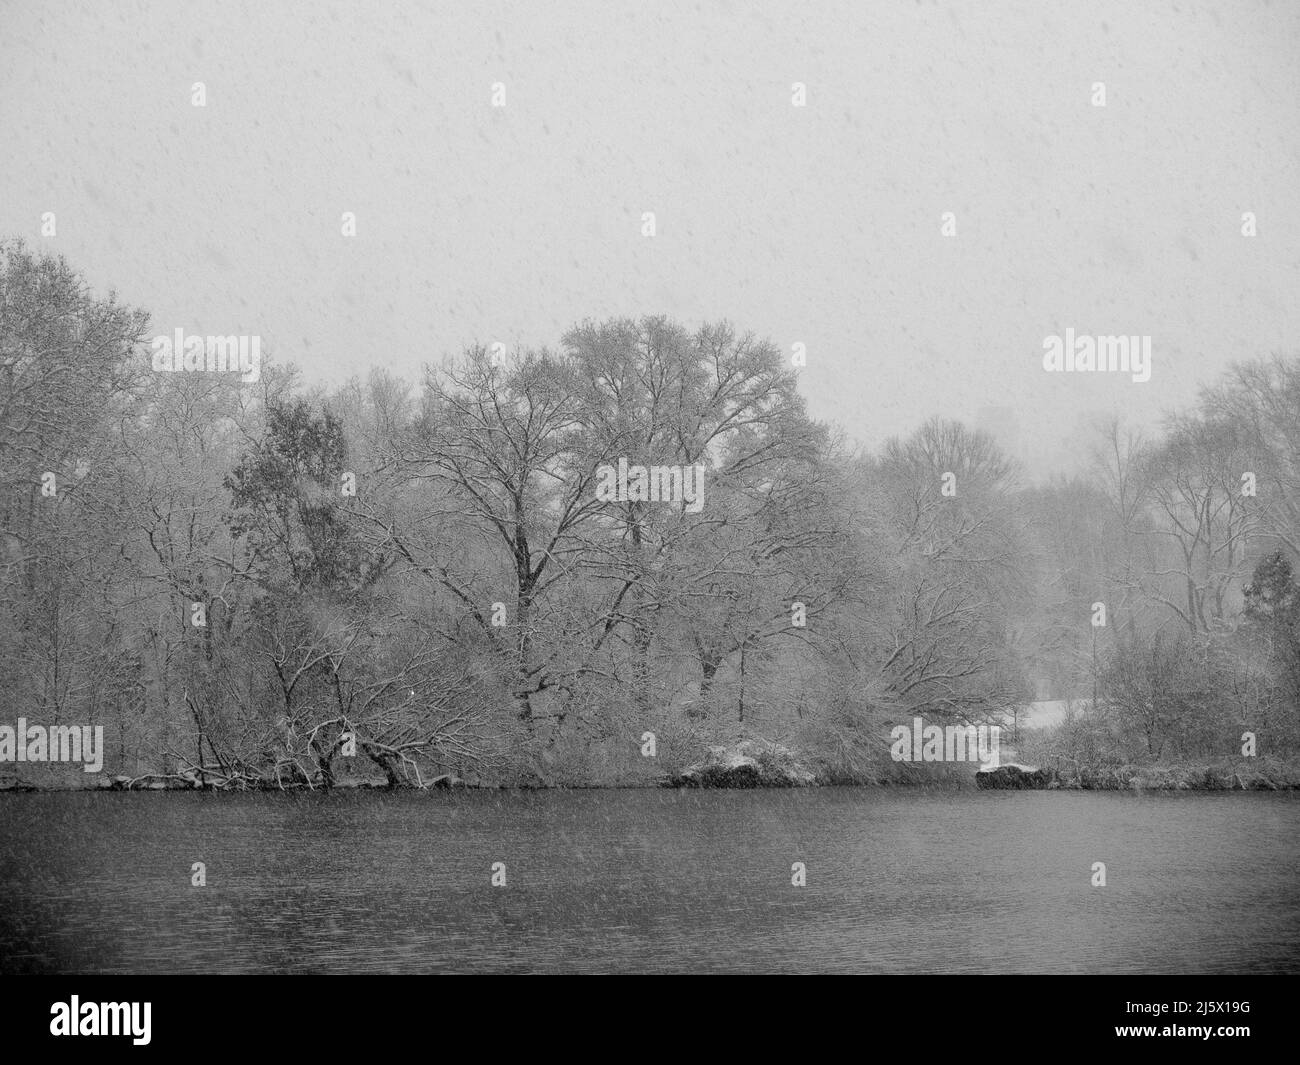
389,763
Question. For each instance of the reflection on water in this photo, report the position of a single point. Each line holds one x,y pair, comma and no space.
650,880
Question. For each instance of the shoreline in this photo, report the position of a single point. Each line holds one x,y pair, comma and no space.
1131,779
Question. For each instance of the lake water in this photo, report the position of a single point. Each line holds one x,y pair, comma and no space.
605,881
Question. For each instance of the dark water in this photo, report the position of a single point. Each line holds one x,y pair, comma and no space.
650,880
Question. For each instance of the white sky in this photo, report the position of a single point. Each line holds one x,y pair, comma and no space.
819,224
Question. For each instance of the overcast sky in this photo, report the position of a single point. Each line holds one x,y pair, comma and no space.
818,224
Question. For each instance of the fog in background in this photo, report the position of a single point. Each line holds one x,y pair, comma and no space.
818,225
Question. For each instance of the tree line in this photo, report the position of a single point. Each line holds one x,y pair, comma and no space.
281,584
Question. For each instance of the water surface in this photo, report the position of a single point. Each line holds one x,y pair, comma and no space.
613,881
